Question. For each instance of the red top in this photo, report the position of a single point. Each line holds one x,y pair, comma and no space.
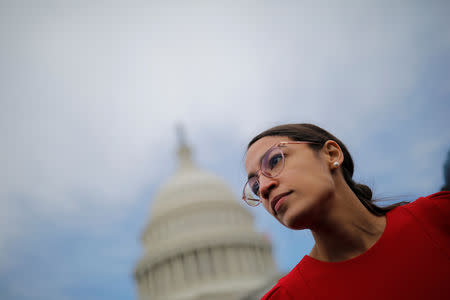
411,260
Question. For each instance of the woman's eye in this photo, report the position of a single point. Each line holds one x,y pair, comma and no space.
274,160
255,188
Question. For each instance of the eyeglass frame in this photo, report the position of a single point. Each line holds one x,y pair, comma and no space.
259,171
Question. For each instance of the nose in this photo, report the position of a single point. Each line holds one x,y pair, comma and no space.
266,184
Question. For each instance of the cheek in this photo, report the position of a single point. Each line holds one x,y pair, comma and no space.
315,179
265,203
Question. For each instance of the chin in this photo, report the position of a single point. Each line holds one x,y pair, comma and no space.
295,221
301,214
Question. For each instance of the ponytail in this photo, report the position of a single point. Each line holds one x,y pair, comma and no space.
364,194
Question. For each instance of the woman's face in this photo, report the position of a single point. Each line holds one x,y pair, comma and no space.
297,197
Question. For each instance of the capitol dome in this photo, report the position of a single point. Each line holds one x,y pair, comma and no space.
200,242
189,185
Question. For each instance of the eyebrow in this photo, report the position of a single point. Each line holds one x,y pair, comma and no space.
260,162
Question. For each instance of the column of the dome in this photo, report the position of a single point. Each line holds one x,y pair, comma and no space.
218,261
140,283
201,264
163,279
191,268
204,263
178,272
144,284
158,280
240,259
237,260
201,259
224,261
233,260
197,265
267,258
263,258
245,260
150,284
153,289
172,277
249,259
259,260
211,269
214,264
227,260
184,270
256,266
145,287
167,277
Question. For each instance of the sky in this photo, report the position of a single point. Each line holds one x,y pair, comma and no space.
91,92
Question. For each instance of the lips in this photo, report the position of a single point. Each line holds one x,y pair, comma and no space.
274,202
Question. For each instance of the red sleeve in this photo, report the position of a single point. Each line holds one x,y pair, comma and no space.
277,293
433,212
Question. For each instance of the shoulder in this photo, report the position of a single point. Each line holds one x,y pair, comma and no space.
290,287
433,214
430,207
441,199
277,292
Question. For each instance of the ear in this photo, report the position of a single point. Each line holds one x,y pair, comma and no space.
333,154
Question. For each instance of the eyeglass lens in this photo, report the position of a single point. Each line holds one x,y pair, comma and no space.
273,162
271,165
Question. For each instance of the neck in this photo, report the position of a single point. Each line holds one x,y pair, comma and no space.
348,230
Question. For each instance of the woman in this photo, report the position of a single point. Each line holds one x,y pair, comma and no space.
303,177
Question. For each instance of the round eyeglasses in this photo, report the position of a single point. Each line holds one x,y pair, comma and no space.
272,163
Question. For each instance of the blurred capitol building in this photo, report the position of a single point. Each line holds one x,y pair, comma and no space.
200,243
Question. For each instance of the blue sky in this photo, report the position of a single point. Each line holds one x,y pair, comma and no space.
91,93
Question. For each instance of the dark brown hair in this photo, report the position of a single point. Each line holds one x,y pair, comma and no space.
312,133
